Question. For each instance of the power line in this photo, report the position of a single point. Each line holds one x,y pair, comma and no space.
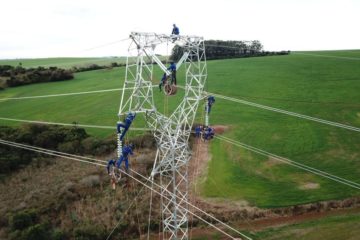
69,124
106,44
63,94
97,162
292,163
335,124
301,101
239,144
327,56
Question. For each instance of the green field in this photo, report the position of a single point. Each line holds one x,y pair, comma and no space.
332,228
344,226
323,87
62,62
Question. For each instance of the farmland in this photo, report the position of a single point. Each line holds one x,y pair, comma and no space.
324,87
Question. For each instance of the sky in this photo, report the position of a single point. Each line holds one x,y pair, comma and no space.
81,28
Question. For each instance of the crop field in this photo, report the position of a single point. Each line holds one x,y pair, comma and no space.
325,85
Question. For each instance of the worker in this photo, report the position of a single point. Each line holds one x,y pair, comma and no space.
123,127
210,102
172,68
175,33
162,81
209,133
110,166
126,151
198,131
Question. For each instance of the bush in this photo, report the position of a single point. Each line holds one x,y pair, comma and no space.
90,232
90,181
22,220
37,232
17,76
70,147
58,235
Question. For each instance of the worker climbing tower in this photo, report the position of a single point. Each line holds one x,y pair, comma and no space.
170,131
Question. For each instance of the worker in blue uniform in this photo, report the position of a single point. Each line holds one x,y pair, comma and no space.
172,69
110,165
209,133
198,131
162,81
126,151
122,127
175,32
210,102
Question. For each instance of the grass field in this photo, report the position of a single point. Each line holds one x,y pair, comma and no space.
324,87
332,228
344,226
62,62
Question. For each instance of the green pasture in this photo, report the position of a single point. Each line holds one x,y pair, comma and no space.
62,62
323,87
332,228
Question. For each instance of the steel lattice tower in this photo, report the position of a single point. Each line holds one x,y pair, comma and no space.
171,132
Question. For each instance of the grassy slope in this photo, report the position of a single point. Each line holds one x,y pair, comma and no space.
344,226
335,227
327,89
61,62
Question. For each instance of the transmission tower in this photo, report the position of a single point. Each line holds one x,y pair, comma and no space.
171,132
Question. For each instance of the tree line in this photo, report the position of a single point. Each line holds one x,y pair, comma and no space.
11,76
218,49
64,139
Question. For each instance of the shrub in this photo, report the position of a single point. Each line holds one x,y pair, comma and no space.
17,76
23,219
58,235
90,232
90,181
37,232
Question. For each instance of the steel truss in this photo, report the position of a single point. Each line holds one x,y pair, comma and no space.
171,132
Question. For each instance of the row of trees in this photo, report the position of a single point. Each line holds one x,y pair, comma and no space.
94,66
16,76
71,140
217,49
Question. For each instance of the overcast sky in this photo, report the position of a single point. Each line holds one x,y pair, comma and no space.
53,28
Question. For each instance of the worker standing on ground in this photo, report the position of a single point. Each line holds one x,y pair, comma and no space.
172,68
123,127
126,151
175,33
210,102
198,131
209,133
162,81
